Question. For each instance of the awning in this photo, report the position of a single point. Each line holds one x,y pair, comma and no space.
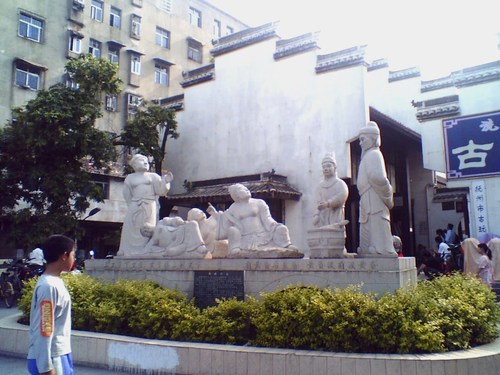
450,195
263,189
116,44
162,61
30,63
130,50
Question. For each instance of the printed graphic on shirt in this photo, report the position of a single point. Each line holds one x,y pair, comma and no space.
46,323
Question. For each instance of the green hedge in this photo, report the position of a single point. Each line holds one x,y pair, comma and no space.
448,313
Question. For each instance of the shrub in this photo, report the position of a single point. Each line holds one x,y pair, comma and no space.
229,322
448,313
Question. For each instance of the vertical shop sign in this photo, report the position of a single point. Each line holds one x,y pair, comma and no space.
480,208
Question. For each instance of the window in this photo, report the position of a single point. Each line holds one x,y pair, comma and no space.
166,5
136,26
102,183
75,43
30,27
134,100
161,74
95,48
216,30
96,12
70,83
194,50
163,37
194,17
111,103
135,64
27,76
115,17
229,30
113,55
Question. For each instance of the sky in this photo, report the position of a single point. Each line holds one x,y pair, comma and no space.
438,36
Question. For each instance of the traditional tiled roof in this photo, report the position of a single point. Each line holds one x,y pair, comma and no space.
465,77
437,108
399,75
299,44
341,59
243,38
203,74
264,186
175,102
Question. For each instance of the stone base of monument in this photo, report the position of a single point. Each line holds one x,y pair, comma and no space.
326,242
222,278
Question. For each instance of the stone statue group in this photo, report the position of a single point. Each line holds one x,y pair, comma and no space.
246,229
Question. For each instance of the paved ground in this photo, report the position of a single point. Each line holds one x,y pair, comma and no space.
17,366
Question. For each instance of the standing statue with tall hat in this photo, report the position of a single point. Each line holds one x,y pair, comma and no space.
376,199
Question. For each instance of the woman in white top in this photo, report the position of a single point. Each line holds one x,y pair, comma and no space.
485,272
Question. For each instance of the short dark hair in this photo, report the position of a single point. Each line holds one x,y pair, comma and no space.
55,246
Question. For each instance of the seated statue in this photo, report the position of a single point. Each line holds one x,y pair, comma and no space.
331,195
250,229
174,237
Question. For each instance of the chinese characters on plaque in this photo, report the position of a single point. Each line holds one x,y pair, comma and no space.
479,214
471,144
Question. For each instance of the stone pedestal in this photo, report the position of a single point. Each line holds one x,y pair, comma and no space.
326,242
377,275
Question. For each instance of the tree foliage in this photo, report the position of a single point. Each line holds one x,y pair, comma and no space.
148,131
44,147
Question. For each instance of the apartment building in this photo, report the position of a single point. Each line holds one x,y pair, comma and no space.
152,41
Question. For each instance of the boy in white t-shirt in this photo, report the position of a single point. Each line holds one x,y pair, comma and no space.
49,352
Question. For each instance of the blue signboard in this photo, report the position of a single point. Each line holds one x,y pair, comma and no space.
472,145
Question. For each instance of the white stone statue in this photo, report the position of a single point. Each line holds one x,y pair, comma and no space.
175,238
327,238
376,199
141,191
208,230
251,230
331,195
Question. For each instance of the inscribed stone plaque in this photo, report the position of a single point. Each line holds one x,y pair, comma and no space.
209,285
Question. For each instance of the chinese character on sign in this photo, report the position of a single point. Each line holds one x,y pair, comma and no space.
479,212
471,144
469,157
488,126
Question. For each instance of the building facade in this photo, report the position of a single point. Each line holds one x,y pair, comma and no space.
152,41
281,105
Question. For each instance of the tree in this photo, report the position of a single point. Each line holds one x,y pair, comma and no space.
143,132
44,148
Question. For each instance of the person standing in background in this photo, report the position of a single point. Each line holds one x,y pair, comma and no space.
485,272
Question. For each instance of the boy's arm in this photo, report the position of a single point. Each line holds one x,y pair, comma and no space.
44,330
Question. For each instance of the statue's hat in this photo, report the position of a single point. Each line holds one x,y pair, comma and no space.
370,128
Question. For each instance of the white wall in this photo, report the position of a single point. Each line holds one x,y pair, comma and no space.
259,114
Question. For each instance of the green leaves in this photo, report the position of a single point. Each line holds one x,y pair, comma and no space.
448,313
43,149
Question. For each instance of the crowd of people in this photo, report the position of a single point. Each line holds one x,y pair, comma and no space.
454,253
